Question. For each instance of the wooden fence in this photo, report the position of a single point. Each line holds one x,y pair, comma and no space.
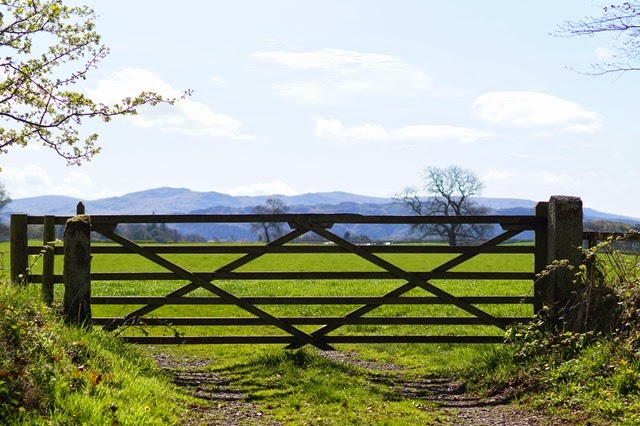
556,226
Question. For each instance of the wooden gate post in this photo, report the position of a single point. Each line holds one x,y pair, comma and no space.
77,270
19,249
564,243
48,258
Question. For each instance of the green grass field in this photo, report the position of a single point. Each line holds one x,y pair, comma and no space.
315,262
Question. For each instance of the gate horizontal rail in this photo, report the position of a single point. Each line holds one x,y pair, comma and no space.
235,340
300,300
266,276
302,249
240,321
520,221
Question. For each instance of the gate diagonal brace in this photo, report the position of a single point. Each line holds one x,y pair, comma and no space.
196,281
413,281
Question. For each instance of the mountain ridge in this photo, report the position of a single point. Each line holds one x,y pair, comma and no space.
168,200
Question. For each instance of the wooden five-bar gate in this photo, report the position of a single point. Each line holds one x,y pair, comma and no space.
556,227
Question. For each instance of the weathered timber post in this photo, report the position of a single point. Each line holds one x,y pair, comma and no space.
564,244
48,259
543,291
77,270
19,249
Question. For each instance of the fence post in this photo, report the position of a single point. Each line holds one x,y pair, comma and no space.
48,259
77,270
565,243
543,290
19,249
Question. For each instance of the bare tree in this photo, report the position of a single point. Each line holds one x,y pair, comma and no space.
622,20
266,231
450,193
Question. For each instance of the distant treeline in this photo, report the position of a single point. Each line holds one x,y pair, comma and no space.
610,226
162,233
159,233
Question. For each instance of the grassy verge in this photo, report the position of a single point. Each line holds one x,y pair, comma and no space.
588,368
597,385
52,374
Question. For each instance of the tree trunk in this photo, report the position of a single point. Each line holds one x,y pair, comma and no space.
452,235
265,227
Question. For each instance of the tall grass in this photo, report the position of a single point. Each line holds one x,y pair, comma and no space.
54,374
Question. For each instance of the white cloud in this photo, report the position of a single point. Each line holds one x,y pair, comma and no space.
32,181
498,175
559,180
263,188
602,53
618,156
537,157
26,181
341,73
334,129
535,110
78,179
186,116
440,132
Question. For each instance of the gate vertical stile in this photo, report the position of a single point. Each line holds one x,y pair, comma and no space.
542,290
19,249
48,258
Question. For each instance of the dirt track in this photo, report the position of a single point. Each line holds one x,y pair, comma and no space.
222,404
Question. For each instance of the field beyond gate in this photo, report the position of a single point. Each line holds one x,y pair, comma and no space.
298,294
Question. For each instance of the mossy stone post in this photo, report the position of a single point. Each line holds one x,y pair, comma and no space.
77,270
565,244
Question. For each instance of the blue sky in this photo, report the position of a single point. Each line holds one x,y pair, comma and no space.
360,96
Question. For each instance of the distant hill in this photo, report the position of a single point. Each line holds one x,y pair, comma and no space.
173,200
181,201
46,204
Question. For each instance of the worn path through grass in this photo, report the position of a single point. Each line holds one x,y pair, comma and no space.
308,387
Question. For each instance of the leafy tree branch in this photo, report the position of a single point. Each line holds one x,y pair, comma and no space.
46,49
